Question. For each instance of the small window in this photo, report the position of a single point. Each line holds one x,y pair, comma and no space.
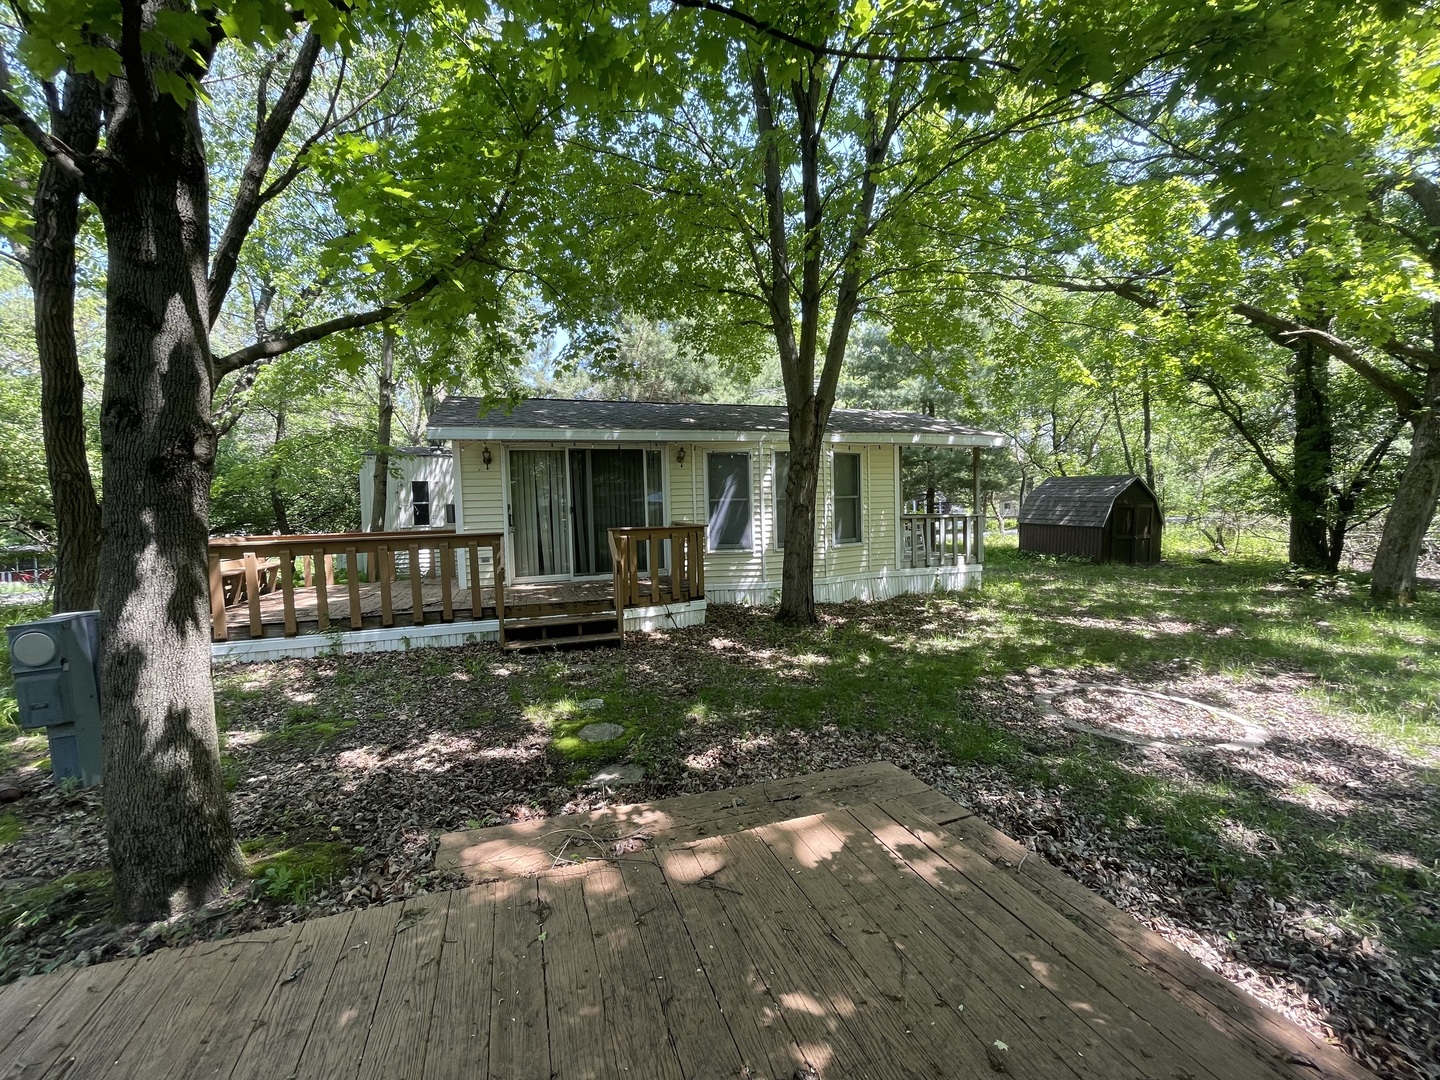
727,486
847,498
449,513
420,500
782,478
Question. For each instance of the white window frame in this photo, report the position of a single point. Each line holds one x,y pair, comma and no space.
859,537
710,545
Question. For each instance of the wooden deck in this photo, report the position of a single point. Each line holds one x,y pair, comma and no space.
849,924
519,600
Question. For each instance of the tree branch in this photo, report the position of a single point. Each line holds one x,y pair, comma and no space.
269,131
74,165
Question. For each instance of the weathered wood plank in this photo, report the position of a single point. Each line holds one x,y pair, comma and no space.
447,574
252,974
899,930
287,590
634,1018
417,587
342,1023
395,1045
279,1030
325,574
60,1020
821,980
21,1002
575,1003
519,1039
1228,1008
352,586
252,591
458,1044
113,1026
531,847
1140,1021
703,1040
759,1026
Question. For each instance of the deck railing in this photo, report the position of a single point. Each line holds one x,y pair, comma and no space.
658,564
244,567
940,539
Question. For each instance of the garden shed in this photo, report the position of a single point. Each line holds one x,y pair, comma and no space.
1104,518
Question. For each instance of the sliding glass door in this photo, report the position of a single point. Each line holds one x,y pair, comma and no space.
563,505
540,514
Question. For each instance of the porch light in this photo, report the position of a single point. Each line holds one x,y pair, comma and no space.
680,456
486,456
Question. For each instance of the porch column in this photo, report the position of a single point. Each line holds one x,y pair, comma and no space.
978,510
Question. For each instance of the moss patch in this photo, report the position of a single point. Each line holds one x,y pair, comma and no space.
81,898
292,871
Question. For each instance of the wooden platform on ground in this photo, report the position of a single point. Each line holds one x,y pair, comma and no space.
849,924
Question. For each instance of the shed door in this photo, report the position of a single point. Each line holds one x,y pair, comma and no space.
1145,535
1125,534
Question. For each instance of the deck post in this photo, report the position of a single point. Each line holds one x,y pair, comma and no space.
252,592
352,582
447,570
219,631
287,590
472,547
979,551
319,561
417,587
386,566
497,559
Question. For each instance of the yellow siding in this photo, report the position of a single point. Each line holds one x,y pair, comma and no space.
481,489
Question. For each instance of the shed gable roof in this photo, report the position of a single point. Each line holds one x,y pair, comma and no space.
462,417
1083,501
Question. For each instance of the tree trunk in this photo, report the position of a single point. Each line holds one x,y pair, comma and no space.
62,387
797,585
1394,573
277,500
167,813
1314,461
1147,432
379,500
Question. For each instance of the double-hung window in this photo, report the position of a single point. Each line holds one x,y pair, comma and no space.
727,490
846,497
420,500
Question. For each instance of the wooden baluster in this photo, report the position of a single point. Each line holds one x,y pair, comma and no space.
385,564
497,559
417,587
617,576
252,592
307,570
287,590
219,631
699,545
329,569
352,582
632,572
476,607
320,565
447,570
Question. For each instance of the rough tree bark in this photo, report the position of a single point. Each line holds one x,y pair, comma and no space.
50,264
379,500
1313,466
167,814
1394,574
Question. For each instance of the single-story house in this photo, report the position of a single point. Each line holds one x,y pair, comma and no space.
419,493
555,475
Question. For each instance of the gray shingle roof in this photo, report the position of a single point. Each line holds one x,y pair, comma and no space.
569,414
1075,500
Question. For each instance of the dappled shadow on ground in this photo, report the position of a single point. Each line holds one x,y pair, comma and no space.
1304,870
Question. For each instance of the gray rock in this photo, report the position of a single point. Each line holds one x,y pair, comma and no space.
616,776
601,732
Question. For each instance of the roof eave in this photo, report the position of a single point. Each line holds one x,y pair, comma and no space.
467,433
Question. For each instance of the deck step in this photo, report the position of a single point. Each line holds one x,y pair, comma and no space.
516,644
565,619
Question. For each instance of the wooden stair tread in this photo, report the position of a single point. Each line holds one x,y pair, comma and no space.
564,619
515,644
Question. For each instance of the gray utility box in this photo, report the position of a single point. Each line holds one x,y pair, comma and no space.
56,664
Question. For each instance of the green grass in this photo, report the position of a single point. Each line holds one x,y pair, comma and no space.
10,828
75,899
308,726
291,872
